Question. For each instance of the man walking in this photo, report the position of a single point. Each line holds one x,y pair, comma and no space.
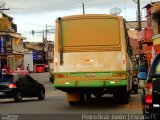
28,68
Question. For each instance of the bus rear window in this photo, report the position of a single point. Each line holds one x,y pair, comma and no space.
91,32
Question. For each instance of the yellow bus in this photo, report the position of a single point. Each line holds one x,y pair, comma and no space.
92,56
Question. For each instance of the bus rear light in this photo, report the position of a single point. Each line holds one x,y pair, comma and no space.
114,82
61,76
119,75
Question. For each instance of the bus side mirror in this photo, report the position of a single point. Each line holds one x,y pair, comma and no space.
142,75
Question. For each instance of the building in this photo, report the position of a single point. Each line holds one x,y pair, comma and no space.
42,54
11,44
151,34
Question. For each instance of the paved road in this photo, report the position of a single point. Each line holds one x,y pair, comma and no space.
55,103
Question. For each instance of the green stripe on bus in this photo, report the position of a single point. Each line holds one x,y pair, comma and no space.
64,83
97,74
90,83
110,83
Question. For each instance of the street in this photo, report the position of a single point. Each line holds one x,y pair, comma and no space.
55,103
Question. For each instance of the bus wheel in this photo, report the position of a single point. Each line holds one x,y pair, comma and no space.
82,99
88,96
122,97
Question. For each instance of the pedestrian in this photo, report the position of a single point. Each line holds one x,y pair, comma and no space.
28,68
21,67
9,69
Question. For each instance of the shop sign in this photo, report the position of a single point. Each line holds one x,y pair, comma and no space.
35,55
1,44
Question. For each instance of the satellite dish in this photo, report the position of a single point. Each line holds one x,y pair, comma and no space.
2,4
115,11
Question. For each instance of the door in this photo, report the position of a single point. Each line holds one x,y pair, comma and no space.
33,86
156,83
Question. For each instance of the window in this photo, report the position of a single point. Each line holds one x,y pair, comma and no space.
158,20
22,79
90,34
6,78
157,23
30,79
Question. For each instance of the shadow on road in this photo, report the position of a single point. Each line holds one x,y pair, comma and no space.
108,102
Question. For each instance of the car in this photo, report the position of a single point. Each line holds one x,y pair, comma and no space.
18,86
46,67
151,90
40,68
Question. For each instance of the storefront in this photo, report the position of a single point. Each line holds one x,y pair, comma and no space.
11,51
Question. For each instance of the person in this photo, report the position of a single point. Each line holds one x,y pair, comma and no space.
21,67
28,68
9,70
4,70
17,68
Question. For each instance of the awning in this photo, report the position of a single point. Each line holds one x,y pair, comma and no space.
16,35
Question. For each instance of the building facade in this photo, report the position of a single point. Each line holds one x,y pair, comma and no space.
11,44
151,34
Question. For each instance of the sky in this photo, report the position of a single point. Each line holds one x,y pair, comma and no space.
36,14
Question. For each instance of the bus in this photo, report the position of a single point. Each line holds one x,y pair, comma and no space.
92,57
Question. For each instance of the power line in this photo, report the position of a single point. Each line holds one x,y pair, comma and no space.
67,4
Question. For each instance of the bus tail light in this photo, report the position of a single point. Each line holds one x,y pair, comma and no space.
61,76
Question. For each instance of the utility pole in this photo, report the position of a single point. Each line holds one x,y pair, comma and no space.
139,29
138,14
45,41
83,7
46,33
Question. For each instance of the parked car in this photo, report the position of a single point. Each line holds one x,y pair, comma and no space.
46,67
151,90
18,86
40,68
